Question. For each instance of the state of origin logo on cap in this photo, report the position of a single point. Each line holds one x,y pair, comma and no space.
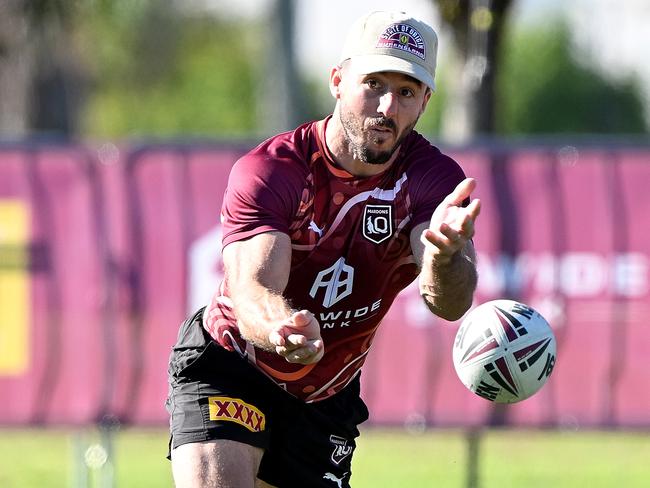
393,41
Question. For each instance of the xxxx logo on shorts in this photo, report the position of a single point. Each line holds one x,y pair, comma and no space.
238,411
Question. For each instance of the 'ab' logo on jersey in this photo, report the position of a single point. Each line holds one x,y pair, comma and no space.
377,223
337,281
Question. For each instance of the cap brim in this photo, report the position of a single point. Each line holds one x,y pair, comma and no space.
376,63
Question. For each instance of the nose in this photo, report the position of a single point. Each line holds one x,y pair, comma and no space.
388,104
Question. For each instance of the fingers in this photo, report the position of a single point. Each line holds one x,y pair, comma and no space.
458,226
449,238
464,224
454,236
298,339
298,348
461,228
444,243
283,345
474,208
288,332
276,338
450,216
310,353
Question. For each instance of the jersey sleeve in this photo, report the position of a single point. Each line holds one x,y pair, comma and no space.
263,195
442,176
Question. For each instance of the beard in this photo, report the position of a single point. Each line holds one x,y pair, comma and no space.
359,140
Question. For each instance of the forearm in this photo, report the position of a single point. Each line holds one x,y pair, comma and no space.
256,273
447,286
259,311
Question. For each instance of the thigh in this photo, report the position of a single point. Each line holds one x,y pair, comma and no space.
218,463
312,444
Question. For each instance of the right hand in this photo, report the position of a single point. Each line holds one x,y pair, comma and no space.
298,338
452,225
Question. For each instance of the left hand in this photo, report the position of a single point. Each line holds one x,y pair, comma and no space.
298,338
452,225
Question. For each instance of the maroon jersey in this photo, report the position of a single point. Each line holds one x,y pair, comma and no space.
350,236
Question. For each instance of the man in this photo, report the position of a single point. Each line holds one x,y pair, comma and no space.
322,227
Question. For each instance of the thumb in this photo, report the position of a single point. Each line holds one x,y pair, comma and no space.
302,318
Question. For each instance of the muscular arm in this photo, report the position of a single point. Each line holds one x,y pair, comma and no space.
256,273
446,287
444,251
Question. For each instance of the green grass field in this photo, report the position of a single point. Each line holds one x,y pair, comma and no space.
384,458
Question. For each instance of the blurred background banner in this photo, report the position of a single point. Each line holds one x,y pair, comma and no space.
103,252
120,120
119,123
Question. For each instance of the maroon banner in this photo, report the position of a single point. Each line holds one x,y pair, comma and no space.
104,252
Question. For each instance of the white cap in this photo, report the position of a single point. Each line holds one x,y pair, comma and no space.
393,41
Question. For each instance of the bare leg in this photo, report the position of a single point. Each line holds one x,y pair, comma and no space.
216,464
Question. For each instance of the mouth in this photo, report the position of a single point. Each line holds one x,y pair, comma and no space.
380,133
381,136
382,128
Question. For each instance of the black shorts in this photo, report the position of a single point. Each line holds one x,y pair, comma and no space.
217,394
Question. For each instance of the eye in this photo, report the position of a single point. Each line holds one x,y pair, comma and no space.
407,92
372,83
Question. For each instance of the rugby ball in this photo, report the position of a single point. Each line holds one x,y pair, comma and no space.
504,351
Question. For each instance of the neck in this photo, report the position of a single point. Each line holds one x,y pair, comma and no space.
342,154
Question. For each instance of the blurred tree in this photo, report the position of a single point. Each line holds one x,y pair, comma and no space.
282,105
520,82
162,72
544,88
477,27
159,68
41,80
15,70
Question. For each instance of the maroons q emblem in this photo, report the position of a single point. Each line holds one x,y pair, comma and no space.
377,223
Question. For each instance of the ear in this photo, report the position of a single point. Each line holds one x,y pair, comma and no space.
425,101
335,81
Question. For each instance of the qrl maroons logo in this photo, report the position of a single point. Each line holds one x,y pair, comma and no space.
377,223
337,281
